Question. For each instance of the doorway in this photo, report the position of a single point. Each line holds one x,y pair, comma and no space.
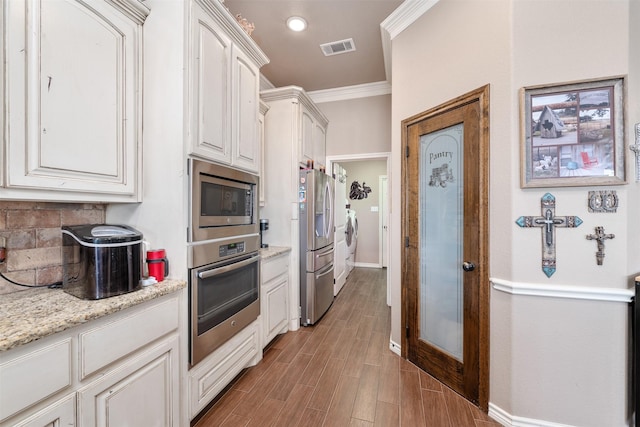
445,278
382,207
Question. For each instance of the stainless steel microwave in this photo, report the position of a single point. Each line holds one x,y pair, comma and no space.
223,202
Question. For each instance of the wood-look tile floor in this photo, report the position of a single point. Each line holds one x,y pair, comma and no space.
340,372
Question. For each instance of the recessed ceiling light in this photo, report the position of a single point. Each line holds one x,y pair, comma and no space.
296,23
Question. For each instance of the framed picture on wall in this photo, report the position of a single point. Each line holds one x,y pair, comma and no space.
572,134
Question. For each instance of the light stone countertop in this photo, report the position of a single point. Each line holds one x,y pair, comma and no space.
29,315
33,314
272,251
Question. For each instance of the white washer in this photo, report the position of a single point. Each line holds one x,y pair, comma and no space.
351,239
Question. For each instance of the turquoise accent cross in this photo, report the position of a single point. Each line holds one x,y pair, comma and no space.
548,222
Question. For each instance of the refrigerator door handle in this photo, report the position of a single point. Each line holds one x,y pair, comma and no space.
329,252
324,273
328,212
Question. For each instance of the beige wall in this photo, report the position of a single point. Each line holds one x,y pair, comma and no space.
552,359
34,240
367,250
358,125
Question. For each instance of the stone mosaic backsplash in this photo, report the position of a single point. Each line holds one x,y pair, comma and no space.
34,239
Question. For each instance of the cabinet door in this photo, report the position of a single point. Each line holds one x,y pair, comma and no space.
74,104
210,88
306,135
261,191
142,392
319,146
245,102
276,308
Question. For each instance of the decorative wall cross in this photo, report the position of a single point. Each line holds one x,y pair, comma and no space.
600,237
548,222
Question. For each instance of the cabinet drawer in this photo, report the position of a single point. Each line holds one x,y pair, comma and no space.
213,374
32,377
274,267
106,344
61,413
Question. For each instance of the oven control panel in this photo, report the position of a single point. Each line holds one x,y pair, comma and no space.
231,249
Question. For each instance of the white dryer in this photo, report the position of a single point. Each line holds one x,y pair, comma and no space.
351,238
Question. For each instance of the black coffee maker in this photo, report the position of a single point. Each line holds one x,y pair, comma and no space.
264,225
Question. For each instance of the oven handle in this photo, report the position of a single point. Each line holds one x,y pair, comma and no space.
221,270
324,272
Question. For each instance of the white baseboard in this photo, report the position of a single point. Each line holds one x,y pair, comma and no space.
395,347
508,420
367,265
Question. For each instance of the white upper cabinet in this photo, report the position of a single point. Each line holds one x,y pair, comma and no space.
224,89
306,136
211,98
261,117
297,121
73,97
320,145
245,137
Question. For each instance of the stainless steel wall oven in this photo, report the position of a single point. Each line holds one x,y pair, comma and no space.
223,258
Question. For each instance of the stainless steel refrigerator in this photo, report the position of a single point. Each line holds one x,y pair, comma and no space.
316,244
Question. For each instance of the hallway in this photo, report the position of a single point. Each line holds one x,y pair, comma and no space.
340,372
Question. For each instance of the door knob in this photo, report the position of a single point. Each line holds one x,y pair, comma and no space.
468,266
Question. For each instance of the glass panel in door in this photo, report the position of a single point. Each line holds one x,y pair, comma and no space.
441,213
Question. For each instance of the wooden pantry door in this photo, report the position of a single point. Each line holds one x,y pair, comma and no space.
445,279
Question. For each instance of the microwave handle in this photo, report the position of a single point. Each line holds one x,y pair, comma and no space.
221,270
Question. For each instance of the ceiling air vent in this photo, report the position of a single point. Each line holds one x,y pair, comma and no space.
334,48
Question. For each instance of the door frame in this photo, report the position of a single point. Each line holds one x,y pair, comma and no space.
480,95
383,220
386,156
339,242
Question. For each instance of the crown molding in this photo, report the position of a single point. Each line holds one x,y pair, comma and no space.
350,92
295,94
133,9
218,11
406,14
386,51
265,84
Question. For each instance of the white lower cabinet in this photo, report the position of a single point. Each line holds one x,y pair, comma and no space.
138,393
18,375
274,297
119,370
60,413
210,376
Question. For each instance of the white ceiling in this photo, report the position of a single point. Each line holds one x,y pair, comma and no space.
296,58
